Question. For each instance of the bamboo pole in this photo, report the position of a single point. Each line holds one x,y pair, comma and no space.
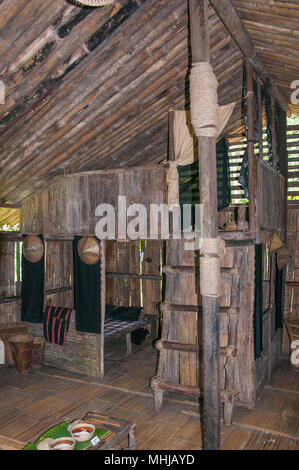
208,197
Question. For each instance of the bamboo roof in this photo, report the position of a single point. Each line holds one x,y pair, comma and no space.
90,88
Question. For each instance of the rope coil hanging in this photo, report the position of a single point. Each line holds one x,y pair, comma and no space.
204,100
211,251
93,3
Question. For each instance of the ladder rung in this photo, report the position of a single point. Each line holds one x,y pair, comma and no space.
191,269
157,383
177,346
229,351
167,307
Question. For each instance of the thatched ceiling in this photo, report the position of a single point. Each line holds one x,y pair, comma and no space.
90,88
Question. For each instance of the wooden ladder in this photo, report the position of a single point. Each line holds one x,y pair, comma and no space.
180,344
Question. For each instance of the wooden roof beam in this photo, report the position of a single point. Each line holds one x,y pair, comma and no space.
233,23
9,206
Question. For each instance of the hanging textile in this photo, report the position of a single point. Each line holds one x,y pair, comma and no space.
244,172
87,293
281,133
33,286
56,324
267,98
258,302
279,291
189,183
185,146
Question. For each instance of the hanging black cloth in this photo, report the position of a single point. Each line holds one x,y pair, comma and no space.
33,288
258,302
279,290
189,182
244,172
267,99
281,133
87,293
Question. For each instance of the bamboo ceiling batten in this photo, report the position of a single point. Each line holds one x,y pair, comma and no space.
78,72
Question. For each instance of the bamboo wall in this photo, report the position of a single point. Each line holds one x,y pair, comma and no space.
292,271
67,208
270,202
10,287
134,257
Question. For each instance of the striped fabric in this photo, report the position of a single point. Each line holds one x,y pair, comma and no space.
118,327
56,322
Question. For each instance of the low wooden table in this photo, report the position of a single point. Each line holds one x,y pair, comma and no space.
118,429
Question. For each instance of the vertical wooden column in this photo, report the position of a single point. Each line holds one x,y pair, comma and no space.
208,197
103,308
251,156
260,116
274,137
261,148
166,323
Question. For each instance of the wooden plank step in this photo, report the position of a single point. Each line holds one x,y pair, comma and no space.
157,383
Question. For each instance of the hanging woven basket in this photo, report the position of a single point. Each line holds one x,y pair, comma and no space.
93,3
33,248
89,250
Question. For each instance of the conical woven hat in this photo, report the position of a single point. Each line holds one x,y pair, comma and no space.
275,243
93,3
33,248
89,250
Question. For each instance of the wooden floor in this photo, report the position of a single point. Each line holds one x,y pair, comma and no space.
31,403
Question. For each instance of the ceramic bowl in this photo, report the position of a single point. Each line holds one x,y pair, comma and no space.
63,443
82,432
45,444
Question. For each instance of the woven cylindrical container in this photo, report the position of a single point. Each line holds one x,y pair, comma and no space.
21,346
37,352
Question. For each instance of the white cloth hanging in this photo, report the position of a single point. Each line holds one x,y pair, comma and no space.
184,146
2,352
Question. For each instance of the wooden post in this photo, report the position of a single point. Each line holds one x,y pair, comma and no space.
208,197
101,348
260,116
251,156
158,392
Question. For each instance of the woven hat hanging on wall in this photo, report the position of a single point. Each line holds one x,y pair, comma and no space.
33,248
93,3
89,250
